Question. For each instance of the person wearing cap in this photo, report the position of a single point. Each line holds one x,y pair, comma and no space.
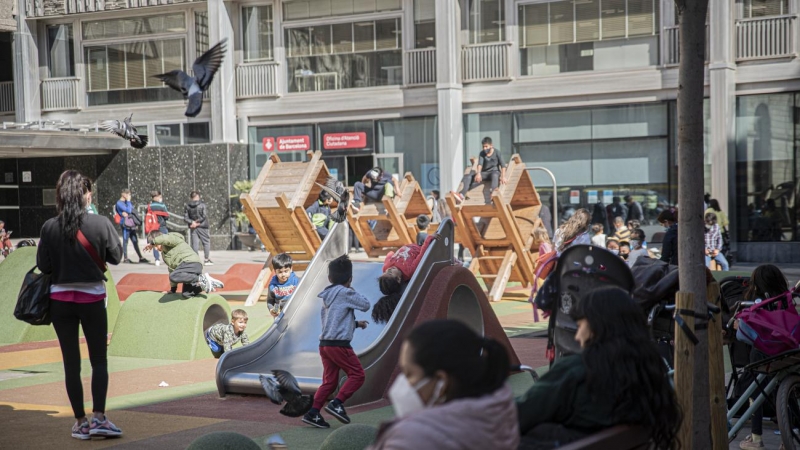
373,186
423,222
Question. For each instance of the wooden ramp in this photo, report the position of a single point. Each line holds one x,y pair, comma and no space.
497,228
395,219
276,207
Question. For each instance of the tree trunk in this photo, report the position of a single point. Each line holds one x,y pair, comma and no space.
691,242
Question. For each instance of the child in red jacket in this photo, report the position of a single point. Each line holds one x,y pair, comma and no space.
399,266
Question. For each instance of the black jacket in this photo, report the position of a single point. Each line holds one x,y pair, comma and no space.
196,212
669,247
67,261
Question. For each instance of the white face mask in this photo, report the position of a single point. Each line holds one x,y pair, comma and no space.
405,399
614,251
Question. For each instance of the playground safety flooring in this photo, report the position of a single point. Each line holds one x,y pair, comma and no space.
36,414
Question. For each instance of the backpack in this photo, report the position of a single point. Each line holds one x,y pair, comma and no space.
117,218
771,332
544,264
151,222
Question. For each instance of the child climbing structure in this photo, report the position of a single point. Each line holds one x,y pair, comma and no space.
497,228
276,207
394,219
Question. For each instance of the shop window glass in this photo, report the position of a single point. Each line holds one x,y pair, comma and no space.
257,33
61,49
134,26
168,134
197,133
308,9
486,21
416,139
424,23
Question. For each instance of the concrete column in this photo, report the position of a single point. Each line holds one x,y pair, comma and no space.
28,104
722,73
448,88
223,89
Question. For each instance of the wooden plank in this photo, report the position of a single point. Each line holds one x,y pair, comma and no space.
307,181
354,226
303,240
684,368
512,232
503,274
262,176
263,278
462,234
398,222
716,374
258,224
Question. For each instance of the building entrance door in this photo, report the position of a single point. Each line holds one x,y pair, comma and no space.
357,166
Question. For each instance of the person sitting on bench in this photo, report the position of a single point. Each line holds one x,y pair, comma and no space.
374,185
619,378
491,169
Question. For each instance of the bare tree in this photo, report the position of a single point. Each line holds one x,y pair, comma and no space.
691,243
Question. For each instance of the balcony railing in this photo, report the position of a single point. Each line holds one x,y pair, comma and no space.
6,96
485,62
765,37
420,65
257,80
61,93
672,47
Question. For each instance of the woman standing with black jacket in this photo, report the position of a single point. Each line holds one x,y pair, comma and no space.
78,294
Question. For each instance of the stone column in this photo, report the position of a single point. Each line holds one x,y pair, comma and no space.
27,100
448,88
722,73
223,89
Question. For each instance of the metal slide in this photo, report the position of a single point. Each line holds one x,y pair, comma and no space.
292,343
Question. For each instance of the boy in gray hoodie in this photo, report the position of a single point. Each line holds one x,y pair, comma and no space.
339,301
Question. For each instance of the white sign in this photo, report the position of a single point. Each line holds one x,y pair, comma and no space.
592,197
607,196
26,177
575,197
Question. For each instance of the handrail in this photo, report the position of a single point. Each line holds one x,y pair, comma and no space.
756,19
487,44
554,213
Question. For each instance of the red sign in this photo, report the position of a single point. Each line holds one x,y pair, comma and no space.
268,144
293,143
338,141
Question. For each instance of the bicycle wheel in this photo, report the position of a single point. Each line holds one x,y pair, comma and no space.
789,411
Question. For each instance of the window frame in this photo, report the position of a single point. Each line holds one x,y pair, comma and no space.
276,22
151,129
76,40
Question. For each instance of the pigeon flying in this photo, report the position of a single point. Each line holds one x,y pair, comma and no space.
282,386
339,193
192,87
126,131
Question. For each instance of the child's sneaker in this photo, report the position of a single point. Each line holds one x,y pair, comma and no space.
158,262
104,428
81,431
209,262
315,420
458,197
215,283
748,443
336,409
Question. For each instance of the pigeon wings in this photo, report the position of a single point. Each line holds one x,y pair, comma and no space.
282,386
192,87
125,130
341,194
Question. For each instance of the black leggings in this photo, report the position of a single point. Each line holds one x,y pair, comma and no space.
66,317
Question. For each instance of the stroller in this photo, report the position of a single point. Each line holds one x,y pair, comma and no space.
580,269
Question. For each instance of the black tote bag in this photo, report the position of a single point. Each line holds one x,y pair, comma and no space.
33,301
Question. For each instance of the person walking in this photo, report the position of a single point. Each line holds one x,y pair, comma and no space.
124,208
635,211
73,250
159,210
196,216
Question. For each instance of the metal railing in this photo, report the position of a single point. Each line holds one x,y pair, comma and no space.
257,80
60,93
672,47
36,8
420,66
555,193
485,62
175,222
7,96
765,37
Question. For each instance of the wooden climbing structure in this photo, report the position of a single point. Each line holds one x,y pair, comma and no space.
276,207
391,224
497,228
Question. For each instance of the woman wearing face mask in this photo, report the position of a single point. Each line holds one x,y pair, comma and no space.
637,246
452,392
618,379
669,248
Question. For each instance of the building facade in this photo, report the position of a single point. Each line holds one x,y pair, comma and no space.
584,88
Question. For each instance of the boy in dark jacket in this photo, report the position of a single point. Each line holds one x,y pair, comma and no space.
339,301
320,214
195,215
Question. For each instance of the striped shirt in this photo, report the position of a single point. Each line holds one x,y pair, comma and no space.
713,238
88,292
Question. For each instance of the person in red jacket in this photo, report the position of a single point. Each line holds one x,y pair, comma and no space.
399,266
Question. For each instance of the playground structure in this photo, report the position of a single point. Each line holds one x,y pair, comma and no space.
497,228
276,207
438,290
391,224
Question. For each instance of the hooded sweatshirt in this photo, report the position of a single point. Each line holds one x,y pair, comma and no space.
407,258
487,422
196,212
338,317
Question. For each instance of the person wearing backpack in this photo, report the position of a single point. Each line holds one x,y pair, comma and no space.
156,219
127,221
73,250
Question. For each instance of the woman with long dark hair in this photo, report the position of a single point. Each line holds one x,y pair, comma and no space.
78,294
618,379
452,392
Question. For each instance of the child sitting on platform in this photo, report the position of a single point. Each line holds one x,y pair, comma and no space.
282,285
222,336
184,265
320,214
399,266
339,301
423,222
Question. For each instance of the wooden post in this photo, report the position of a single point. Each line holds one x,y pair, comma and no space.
716,374
263,278
684,368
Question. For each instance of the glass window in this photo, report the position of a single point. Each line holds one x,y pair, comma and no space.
257,33
200,32
168,134
763,8
343,56
486,21
497,126
197,133
307,9
571,35
259,155
134,26
416,139
766,167
424,23
673,135
61,60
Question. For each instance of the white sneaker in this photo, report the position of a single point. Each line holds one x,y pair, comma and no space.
158,262
208,263
215,283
